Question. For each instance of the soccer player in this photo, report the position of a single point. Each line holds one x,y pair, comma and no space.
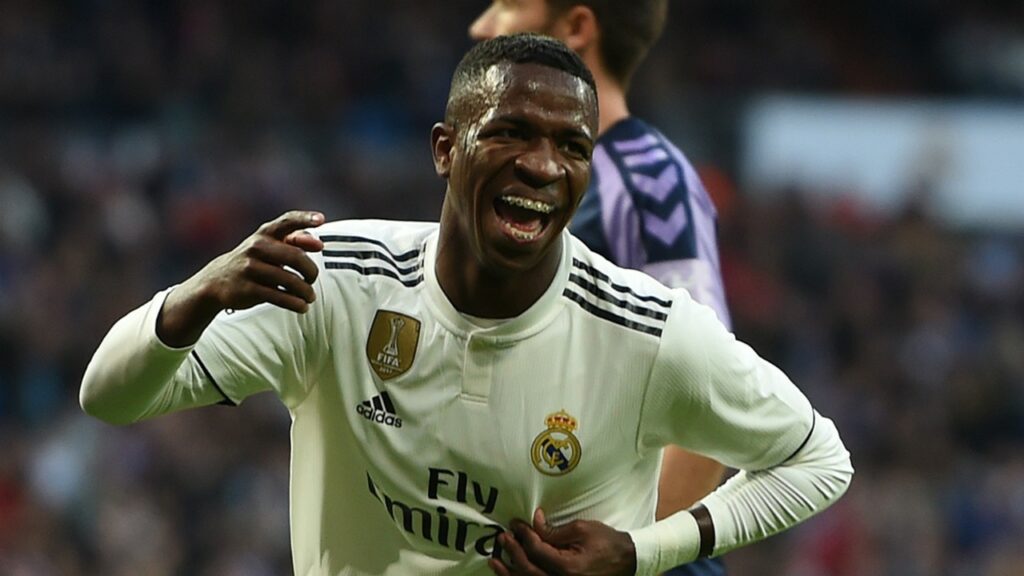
448,380
646,208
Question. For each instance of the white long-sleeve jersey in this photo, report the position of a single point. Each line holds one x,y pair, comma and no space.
417,434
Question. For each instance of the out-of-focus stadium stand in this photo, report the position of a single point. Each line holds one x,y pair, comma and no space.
139,138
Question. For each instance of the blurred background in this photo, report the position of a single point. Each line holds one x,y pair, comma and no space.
867,159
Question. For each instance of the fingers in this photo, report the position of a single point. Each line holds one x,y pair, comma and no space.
540,523
579,547
272,266
280,298
290,222
557,536
519,562
305,241
539,552
497,567
281,254
278,278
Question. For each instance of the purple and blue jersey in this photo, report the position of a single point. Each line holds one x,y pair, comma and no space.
647,209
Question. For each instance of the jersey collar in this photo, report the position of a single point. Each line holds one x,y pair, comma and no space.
533,320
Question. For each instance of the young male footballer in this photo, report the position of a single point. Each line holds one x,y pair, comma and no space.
483,393
646,208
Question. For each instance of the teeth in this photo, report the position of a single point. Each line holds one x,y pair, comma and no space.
535,205
523,234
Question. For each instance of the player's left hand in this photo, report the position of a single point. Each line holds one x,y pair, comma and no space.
581,547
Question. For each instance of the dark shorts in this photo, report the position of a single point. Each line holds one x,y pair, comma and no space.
703,567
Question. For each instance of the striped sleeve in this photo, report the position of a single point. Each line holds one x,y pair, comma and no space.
371,257
616,302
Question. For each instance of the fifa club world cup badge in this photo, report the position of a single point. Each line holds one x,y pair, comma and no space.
391,345
556,451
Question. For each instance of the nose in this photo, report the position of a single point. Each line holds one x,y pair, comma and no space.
483,27
537,166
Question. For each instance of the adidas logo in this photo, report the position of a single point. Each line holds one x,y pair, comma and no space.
379,409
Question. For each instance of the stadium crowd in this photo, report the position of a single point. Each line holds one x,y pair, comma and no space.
141,138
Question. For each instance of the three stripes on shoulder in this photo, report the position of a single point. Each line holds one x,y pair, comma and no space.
591,289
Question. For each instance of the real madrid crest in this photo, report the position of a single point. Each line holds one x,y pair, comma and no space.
391,345
556,451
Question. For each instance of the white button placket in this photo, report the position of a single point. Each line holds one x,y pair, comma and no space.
477,369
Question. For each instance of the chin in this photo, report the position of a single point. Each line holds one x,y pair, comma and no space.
520,259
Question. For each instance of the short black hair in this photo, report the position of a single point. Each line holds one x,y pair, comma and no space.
524,48
628,30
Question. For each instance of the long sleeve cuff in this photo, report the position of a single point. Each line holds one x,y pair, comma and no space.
666,544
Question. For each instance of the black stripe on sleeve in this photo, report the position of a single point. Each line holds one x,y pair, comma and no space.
609,298
375,271
398,257
226,401
618,288
814,420
606,315
369,255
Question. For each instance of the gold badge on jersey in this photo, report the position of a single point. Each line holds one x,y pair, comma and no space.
556,451
391,345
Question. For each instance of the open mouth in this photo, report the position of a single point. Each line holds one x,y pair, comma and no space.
523,219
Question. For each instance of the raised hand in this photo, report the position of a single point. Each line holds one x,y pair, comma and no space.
581,547
253,273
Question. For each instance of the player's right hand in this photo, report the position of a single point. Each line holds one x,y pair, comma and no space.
257,271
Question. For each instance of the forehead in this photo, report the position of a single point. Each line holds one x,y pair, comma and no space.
535,89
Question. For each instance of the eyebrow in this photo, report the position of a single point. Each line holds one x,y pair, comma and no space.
519,120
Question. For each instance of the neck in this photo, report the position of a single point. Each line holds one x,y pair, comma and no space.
487,292
612,102
611,98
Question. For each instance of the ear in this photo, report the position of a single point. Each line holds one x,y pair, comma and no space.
442,144
579,29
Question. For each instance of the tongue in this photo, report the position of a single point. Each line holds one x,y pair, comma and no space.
519,218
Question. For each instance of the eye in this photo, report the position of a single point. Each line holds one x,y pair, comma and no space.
514,133
576,149
505,132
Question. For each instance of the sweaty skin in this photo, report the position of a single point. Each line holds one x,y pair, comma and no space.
481,99
524,130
